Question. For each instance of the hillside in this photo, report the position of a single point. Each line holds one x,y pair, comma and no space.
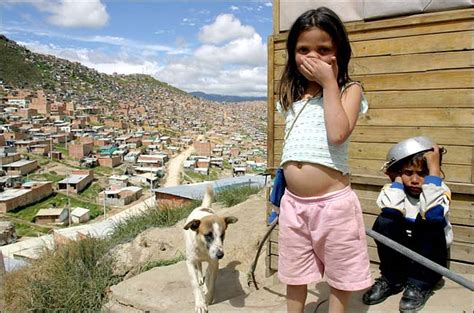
65,81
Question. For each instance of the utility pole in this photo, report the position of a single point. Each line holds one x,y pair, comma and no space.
68,201
105,212
51,148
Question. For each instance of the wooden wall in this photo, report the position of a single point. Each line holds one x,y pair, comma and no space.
418,76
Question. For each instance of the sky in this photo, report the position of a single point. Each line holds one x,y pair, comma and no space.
217,47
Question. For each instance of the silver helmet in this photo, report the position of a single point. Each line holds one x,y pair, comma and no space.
406,148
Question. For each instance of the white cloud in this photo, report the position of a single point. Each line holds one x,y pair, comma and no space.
226,27
123,62
246,51
232,61
236,64
73,13
191,75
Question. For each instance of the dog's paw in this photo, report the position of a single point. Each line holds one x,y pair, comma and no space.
200,307
209,298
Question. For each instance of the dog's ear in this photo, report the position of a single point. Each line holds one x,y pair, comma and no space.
194,224
230,220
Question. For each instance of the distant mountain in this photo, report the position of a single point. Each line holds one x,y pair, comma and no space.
224,98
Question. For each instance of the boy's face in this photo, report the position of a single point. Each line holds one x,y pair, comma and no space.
413,176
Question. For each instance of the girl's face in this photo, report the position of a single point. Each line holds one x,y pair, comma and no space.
314,43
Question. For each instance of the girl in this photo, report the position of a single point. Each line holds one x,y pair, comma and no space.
321,226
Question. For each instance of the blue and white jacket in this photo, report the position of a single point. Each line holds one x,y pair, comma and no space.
433,204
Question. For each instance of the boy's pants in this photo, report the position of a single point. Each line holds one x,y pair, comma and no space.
427,238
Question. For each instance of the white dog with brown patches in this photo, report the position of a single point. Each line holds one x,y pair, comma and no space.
204,234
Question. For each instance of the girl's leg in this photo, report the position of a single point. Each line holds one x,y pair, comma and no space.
339,300
296,298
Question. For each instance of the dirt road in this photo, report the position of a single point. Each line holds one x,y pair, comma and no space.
175,168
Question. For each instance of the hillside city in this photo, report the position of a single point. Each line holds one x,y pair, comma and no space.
77,145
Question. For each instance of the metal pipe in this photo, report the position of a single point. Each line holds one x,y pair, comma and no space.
463,281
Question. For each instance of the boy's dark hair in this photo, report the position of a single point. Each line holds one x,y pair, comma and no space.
415,159
293,84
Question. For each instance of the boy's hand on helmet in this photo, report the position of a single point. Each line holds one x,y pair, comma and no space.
432,158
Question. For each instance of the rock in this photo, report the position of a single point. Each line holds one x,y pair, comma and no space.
7,233
153,245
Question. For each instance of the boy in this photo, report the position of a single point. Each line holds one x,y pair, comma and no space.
414,213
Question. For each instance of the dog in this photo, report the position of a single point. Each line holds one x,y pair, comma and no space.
204,233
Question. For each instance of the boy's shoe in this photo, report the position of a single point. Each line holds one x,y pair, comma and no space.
380,291
413,299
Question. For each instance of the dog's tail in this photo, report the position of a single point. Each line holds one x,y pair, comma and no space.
208,197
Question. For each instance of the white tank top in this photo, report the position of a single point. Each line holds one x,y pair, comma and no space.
308,142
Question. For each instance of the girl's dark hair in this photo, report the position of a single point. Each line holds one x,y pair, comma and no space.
293,84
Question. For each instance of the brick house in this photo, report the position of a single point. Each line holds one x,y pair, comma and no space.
80,150
77,181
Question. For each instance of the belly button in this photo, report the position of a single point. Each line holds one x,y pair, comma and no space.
299,165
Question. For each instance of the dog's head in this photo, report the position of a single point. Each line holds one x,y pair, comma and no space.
210,233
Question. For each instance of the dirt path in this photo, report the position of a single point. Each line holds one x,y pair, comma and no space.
175,168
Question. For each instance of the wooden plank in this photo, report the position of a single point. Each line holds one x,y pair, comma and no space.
460,267
414,44
417,117
461,212
412,30
270,102
456,173
442,79
422,23
410,63
377,151
276,16
411,20
436,98
439,98
376,134
397,63
456,154
452,80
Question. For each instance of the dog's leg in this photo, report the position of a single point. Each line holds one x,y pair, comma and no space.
211,276
200,305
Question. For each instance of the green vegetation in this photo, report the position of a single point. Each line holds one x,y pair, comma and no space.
56,200
148,266
14,69
231,196
76,276
198,177
91,192
28,230
47,176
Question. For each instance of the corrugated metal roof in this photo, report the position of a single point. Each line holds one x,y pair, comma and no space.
197,191
73,179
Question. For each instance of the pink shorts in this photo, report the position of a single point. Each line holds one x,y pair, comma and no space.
323,236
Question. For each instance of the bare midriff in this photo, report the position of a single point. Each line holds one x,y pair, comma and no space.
311,180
